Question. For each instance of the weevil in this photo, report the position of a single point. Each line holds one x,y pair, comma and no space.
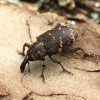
49,43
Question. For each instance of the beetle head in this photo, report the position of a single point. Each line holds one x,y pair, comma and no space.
35,52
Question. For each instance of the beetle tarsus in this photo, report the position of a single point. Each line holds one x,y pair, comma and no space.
43,78
42,74
64,70
19,52
68,72
58,62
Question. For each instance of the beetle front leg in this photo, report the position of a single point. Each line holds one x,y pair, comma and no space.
58,62
23,50
42,74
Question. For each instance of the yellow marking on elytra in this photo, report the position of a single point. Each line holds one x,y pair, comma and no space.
61,42
61,45
60,50
39,44
49,33
53,37
63,32
72,35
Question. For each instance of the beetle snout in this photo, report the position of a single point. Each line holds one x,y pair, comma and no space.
22,67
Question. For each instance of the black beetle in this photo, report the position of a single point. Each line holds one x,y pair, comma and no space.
50,43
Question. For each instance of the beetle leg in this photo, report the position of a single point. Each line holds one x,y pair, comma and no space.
23,50
42,74
79,48
58,62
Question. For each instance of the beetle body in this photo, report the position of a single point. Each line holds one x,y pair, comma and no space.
50,43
